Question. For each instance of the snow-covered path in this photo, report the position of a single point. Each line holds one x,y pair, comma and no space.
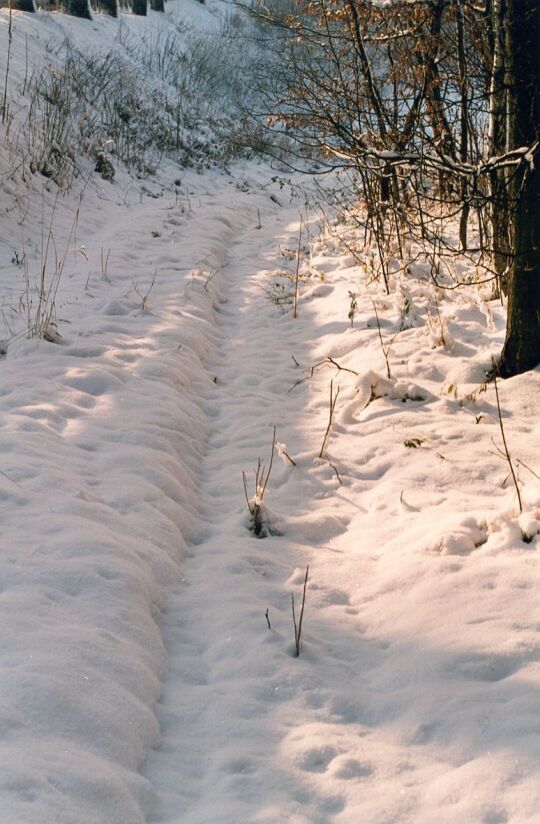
221,709
233,688
140,681
398,705
234,692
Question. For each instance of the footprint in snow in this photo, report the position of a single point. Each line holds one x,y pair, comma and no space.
117,308
317,759
75,351
496,816
331,597
424,733
95,382
486,668
239,766
317,528
351,768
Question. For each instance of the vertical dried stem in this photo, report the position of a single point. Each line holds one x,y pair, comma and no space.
332,406
10,40
296,277
506,450
263,490
298,627
262,476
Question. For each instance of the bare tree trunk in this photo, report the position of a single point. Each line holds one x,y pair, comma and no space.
139,7
435,102
498,143
434,97
78,8
464,125
157,5
521,350
110,7
23,5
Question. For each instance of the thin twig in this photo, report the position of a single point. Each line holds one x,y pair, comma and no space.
104,263
291,460
144,298
338,476
507,452
296,276
341,368
326,362
524,465
263,490
385,351
246,492
13,481
298,628
212,274
332,406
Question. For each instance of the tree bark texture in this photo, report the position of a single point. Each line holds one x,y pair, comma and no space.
498,142
110,7
23,5
521,350
78,8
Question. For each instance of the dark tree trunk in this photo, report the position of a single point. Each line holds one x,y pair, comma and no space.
23,5
498,142
139,7
78,8
157,5
500,226
435,102
110,7
464,125
522,345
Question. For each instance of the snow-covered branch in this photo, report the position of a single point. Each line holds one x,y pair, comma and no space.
436,162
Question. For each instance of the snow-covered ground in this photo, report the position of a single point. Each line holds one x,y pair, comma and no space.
147,666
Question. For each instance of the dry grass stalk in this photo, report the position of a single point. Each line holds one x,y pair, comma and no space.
506,452
255,504
297,273
298,627
332,406
144,298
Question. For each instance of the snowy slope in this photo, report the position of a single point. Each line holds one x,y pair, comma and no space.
140,681
102,436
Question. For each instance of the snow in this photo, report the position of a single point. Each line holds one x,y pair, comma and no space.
140,679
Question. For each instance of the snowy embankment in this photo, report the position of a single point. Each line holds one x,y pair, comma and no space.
102,438
147,666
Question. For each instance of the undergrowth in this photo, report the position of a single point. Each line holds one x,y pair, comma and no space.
167,93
